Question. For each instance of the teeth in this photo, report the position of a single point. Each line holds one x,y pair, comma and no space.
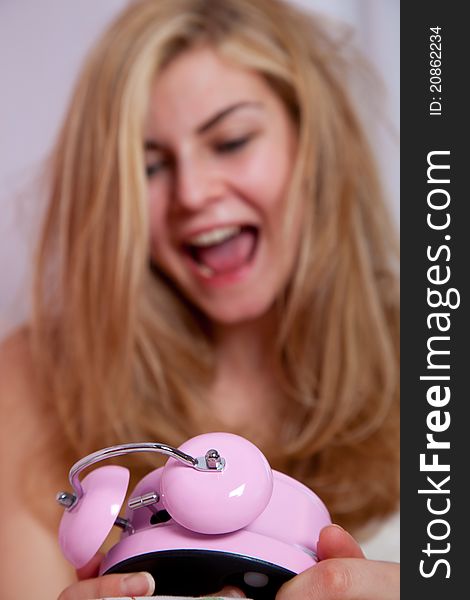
215,236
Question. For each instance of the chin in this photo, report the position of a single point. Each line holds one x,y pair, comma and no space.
225,314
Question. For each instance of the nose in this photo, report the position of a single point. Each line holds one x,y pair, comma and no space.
197,184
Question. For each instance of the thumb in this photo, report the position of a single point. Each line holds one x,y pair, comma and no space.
335,542
118,585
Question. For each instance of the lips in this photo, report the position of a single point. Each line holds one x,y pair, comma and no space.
223,250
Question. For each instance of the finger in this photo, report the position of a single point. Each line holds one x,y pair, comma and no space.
129,584
345,579
91,569
335,542
228,592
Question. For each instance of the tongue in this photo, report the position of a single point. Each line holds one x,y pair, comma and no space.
228,255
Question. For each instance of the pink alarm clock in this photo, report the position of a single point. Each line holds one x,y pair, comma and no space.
216,514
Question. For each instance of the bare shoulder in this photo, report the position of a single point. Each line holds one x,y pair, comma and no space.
15,366
24,424
18,388
32,565
15,361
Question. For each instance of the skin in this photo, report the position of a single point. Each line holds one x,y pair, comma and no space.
200,178
223,152
199,105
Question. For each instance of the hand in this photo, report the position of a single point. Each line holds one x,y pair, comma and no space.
343,573
227,592
91,586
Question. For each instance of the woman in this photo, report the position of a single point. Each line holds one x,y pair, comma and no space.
215,256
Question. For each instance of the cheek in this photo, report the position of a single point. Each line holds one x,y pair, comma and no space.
266,175
157,223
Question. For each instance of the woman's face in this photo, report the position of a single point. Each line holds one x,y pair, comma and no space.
220,148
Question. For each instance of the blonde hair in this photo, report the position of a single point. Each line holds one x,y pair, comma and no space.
123,357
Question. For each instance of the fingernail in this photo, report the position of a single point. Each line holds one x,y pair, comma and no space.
336,526
138,584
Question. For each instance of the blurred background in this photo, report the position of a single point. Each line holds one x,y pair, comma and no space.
42,45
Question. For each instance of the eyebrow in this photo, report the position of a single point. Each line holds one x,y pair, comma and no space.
211,122
224,113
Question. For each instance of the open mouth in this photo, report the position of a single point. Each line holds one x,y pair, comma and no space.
223,250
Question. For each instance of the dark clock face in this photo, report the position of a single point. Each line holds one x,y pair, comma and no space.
199,572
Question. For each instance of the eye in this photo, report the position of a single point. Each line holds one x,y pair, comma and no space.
153,168
232,145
